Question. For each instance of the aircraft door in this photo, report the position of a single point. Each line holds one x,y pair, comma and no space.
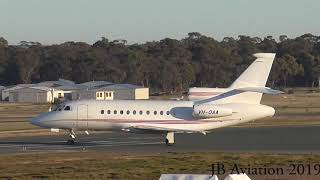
82,117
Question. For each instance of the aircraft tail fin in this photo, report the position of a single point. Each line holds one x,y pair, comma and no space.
257,73
250,85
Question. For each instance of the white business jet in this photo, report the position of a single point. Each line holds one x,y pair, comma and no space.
240,104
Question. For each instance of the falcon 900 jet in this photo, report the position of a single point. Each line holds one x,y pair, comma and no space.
240,104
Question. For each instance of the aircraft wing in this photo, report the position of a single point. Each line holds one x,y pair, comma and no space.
156,129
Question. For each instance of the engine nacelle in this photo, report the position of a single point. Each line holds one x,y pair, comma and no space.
210,111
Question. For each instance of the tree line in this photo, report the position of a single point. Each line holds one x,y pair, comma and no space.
167,65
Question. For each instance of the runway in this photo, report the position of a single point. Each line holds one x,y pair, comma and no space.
304,139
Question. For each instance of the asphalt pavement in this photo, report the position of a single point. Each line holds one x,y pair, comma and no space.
304,139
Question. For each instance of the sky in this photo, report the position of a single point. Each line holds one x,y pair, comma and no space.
138,21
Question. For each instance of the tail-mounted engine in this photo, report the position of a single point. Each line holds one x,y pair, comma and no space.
210,111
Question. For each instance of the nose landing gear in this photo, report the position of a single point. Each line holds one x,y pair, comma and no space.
72,136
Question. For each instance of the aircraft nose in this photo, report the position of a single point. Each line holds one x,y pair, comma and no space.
35,121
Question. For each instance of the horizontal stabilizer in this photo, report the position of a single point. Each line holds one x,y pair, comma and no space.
263,90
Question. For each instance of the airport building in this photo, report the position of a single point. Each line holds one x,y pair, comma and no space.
5,92
49,91
128,91
1,89
113,91
38,94
92,94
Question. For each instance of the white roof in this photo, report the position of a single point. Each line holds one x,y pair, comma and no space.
96,83
18,86
65,81
123,86
69,86
60,82
73,87
43,88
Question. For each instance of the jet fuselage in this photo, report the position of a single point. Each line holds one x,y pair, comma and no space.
118,115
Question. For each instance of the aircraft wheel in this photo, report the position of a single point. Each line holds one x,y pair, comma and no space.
170,138
70,142
167,143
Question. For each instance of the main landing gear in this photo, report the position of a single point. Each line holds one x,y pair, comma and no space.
72,136
170,138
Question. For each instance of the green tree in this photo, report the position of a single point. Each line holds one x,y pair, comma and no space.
288,66
3,42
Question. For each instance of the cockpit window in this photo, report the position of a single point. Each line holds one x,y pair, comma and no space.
60,108
67,108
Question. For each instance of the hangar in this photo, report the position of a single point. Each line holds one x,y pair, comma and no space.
48,91
37,94
128,91
103,90
5,92
92,94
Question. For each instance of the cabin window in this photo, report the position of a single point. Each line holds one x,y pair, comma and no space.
108,111
67,108
100,94
155,112
134,112
109,94
102,111
115,112
128,112
140,112
148,112
161,112
121,112
168,112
